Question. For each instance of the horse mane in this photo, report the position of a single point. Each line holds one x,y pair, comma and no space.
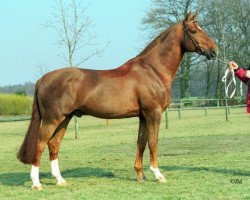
160,38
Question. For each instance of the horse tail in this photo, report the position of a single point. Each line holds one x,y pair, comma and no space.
27,152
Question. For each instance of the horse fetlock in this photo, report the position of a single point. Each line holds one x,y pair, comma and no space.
158,175
60,179
141,179
56,174
138,168
36,184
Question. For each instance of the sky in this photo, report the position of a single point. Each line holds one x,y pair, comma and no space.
28,48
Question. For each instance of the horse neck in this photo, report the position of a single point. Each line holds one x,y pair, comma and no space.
167,53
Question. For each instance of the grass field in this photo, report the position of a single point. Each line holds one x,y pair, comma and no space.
201,157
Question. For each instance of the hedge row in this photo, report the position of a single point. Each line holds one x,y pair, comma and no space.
12,104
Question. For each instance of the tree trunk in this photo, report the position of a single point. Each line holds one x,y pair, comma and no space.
185,76
209,77
219,85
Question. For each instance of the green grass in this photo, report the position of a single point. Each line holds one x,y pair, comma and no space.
201,157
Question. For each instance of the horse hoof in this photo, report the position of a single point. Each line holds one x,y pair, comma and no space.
62,183
36,188
141,179
161,180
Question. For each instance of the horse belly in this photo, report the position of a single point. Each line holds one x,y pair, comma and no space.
111,102
110,110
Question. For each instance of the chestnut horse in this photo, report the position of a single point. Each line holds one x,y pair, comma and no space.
139,88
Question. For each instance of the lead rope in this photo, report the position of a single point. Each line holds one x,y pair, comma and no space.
233,81
224,79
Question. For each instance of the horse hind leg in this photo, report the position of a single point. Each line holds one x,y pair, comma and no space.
47,131
54,146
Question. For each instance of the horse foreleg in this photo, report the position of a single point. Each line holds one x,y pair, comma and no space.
153,125
54,146
47,131
141,144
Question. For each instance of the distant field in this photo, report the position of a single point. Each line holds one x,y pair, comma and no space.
12,104
202,158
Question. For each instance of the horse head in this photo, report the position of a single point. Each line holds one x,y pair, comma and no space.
195,39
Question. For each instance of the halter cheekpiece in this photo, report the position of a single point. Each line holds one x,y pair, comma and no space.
199,50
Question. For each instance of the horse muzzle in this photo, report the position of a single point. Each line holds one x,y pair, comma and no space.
211,54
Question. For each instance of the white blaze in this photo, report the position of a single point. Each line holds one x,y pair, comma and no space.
200,28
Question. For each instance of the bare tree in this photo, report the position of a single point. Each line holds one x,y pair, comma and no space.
228,24
73,28
43,69
226,21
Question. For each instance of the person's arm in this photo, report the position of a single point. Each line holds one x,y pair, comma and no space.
240,72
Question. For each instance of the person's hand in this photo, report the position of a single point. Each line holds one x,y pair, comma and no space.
233,65
247,74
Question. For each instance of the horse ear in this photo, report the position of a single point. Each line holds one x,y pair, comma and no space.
195,16
188,17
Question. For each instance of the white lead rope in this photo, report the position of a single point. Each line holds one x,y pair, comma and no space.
224,80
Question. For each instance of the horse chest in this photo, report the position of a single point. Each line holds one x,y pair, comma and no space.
163,88
165,99
158,96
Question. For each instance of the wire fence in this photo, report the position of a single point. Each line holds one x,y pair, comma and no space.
14,118
202,106
181,113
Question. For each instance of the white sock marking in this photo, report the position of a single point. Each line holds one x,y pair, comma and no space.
157,173
56,172
34,175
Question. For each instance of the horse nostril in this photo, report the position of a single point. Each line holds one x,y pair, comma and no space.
213,53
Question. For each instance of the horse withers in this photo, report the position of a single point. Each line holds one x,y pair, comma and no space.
139,88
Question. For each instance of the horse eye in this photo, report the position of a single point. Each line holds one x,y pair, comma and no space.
193,31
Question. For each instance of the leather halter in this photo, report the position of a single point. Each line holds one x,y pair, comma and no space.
199,50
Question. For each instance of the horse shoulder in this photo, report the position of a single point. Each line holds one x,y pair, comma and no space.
154,90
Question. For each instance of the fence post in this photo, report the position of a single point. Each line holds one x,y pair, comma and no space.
166,116
226,109
179,113
76,127
107,122
205,111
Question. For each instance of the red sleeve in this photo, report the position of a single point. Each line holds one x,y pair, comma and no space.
240,73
